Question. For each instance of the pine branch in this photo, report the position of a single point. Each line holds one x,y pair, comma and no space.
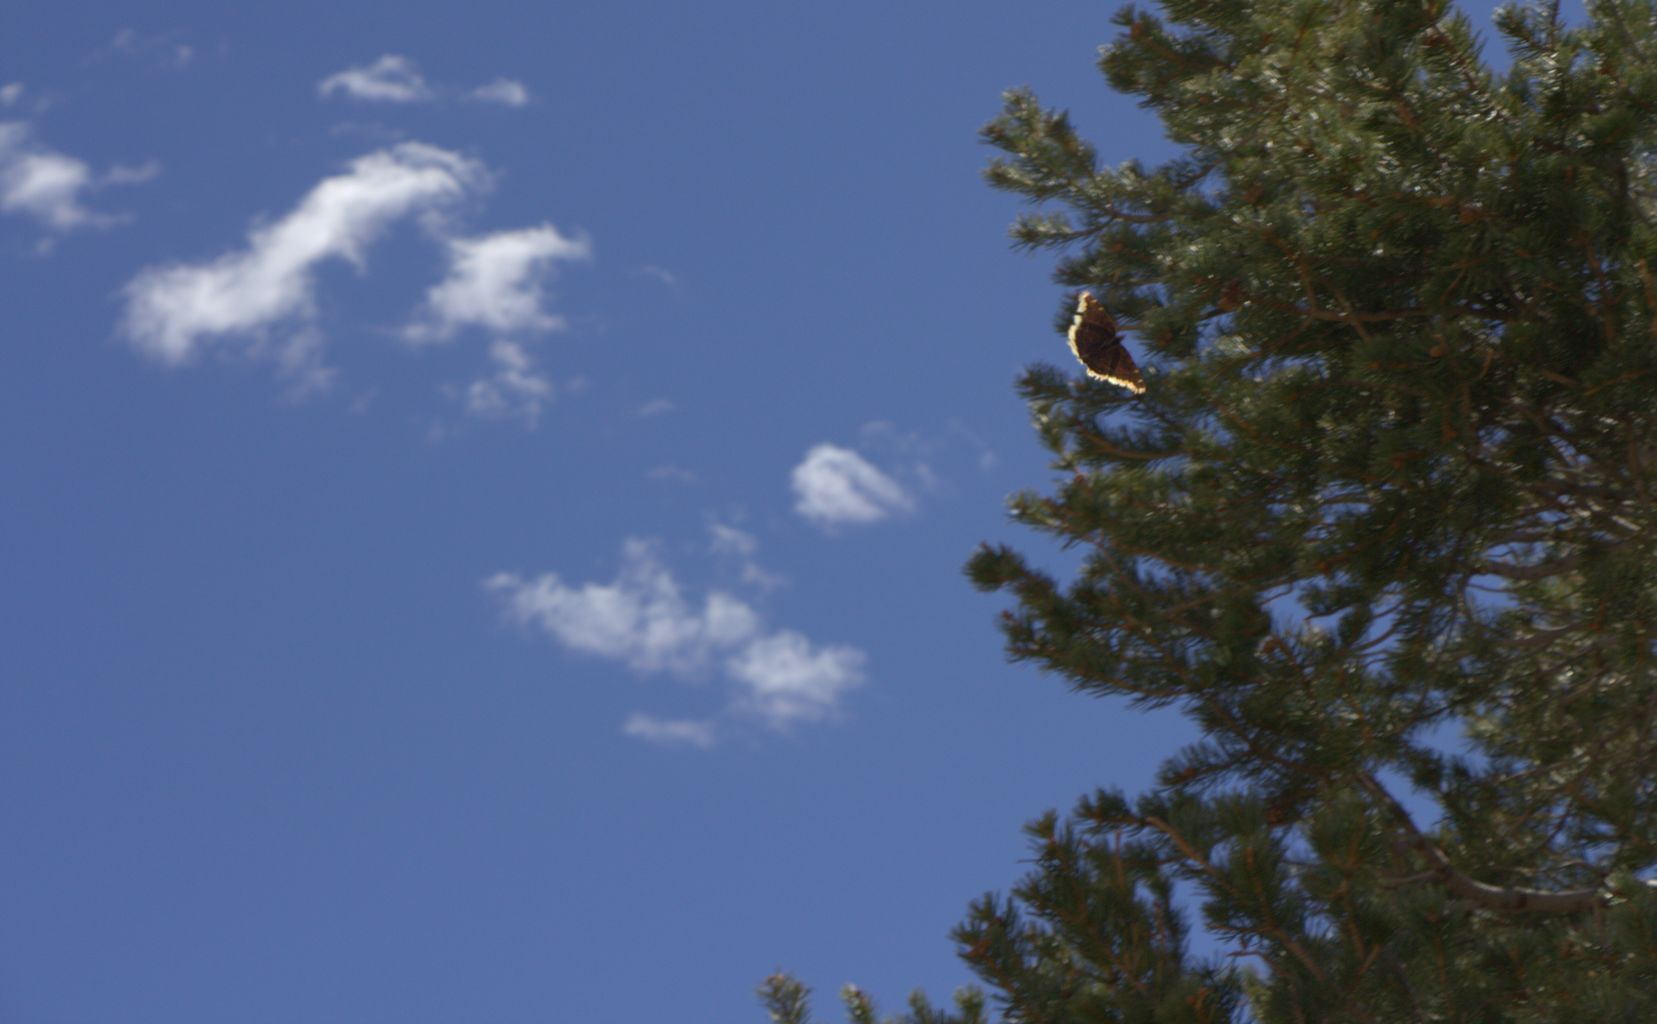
1505,899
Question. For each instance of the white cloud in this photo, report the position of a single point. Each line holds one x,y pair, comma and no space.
395,78
41,183
641,620
644,621
834,485
504,91
391,79
173,310
10,94
514,389
127,174
656,407
728,540
742,545
659,730
494,282
789,681
47,185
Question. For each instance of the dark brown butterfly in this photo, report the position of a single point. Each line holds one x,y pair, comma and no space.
1094,339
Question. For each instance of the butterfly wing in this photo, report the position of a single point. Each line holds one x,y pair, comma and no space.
1097,345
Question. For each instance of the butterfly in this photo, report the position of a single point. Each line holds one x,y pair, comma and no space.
1094,339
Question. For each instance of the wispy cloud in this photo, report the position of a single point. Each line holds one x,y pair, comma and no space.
671,475
643,620
495,282
40,182
130,174
661,274
987,457
687,732
834,486
11,94
162,47
514,389
741,545
395,78
728,540
391,79
505,91
172,311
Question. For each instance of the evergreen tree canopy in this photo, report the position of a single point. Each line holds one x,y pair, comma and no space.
1381,524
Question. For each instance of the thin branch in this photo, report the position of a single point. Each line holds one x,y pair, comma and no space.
1507,899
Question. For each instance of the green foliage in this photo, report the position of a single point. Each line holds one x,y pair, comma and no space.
1390,483
787,1001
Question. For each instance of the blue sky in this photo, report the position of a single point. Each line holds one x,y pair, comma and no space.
485,492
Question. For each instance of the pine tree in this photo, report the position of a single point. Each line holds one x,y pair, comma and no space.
1382,525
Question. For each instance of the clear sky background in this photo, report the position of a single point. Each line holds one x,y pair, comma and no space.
482,496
